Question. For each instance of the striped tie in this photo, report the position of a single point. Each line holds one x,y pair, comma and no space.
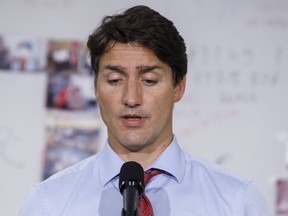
145,207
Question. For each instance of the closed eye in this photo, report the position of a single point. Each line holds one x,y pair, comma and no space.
150,82
114,81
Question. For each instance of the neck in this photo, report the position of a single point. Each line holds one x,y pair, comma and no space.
145,156
145,159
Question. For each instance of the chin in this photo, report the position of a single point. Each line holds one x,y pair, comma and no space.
134,146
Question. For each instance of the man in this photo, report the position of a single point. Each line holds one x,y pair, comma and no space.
140,66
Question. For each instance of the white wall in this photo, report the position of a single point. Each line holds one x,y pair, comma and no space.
235,106
22,112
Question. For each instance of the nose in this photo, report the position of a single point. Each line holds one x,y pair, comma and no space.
132,95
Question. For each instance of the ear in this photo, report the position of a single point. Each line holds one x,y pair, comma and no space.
179,89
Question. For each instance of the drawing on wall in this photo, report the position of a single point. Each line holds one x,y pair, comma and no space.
9,138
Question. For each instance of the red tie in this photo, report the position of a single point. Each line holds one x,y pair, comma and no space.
145,207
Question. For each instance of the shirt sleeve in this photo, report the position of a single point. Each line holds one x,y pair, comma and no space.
32,205
252,203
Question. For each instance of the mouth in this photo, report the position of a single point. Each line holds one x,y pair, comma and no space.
132,120
132,117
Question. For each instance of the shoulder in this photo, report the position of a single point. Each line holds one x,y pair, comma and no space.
75,169
214,179
53,194
219,183
215,172
68,178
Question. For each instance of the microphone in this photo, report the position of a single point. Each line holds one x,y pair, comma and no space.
131,185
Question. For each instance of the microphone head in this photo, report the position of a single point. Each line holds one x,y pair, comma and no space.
131,175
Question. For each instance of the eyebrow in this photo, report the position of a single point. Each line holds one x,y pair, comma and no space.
116,68
147,68
140,68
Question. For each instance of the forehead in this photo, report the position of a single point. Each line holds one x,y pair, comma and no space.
114,45
128,51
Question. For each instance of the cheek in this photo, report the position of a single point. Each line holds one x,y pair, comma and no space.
105,112
108,104
105,103
162,104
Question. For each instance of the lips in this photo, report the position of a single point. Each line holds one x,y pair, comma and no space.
132,120
133,117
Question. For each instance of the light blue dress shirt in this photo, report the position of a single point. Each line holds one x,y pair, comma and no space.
189,187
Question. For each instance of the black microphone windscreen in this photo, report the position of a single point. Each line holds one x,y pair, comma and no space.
131,171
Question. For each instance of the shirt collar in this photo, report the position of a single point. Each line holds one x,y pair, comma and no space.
171,160
110,164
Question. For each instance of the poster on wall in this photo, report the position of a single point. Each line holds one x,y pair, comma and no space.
19,54
72,122
70,137
282,197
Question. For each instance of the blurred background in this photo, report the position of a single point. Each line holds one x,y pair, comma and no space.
234,112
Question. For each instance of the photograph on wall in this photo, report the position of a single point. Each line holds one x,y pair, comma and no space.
70,92
282,197
5,59
72,119
68,56
20,54
70,137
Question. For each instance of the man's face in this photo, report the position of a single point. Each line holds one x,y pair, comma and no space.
135,93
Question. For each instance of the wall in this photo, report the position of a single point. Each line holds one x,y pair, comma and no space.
21,136
235,108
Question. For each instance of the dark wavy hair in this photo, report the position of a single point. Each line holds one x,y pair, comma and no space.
144,26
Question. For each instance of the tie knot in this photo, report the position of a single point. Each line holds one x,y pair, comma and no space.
150,174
